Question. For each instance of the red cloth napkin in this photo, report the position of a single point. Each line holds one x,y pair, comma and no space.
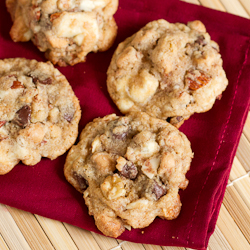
214,136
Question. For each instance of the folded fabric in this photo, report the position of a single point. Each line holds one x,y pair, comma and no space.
214,135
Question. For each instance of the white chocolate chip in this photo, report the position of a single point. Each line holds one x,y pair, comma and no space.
142,87
70,24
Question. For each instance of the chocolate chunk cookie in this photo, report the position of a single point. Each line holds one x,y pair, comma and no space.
66,30
39,113
129,170
169,71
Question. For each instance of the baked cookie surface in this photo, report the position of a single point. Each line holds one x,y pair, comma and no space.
39,113
66,30
129,170
169,71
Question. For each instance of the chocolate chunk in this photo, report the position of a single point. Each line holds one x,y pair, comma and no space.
46,81
158,190
23,116
129,171
2,123
17,85
177,121
201,41
83,184
120,136
68,116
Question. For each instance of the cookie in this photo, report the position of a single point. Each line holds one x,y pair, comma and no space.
169,71
129,170
39,113
66,30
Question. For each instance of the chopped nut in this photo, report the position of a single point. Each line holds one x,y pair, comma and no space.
128,227
96,144
143,145
36,12
54,115
197,25
167,164
3,137
17,85
139,204
113,187
183,184
54,16
34,133
196,79
121,162
104,163
2,123
55,131
219,97
150,166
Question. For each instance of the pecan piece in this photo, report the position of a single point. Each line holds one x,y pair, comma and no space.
2,123
54,16
23,116
196,79
219,97
36,12
83,184
16,85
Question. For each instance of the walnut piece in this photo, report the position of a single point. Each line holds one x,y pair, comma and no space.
113,187
150,166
